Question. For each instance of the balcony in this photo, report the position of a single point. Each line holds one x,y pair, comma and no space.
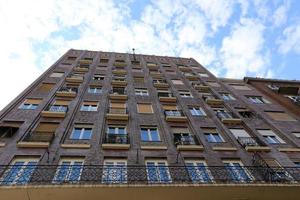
211,100
187,142
116,141
184,69
117,114
67,92
253,144
200,87
85,62
160,84
155,74
228,117
55,111
118,94
175,116
119,72
166,97
152,66
119,82
74,79
81,69
120,64
191,76
37,139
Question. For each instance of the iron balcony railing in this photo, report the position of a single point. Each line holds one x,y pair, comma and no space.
165,94
36,136
118,91
116,139
250,141
173,113
33,174
66,89
185,139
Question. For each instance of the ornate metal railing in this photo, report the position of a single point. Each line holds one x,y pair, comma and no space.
173,113
250,141
184,139
98,174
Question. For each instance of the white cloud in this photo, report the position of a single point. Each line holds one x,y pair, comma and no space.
242,50
290,42
280,14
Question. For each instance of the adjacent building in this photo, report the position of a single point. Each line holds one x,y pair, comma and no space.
115,125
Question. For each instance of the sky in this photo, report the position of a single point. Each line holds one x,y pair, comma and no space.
232,39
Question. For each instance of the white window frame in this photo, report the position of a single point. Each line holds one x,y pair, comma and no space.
69,172
141,92
267,133
91,108
81,132
116,128
156,165
116,164
94,89
231,163
197,111
149,134
198,172
185,94
28,106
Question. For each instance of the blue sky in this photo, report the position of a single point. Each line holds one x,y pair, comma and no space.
231,38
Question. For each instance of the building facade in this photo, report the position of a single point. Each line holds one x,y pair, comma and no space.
107,125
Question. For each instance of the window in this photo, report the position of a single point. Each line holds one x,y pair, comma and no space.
158,171
185,94
182,136
81,133
98,77
239,87
297,134
280,116
295,99
236,170
203,74
118,108
19,171
57,74
9,128
227,97
239,133
198,171
297,164
271,137
30,104
257,99
94,90
69,170
46,87
114,171
177,82
144,108
141,92
89,106
150,134
212,135
196,111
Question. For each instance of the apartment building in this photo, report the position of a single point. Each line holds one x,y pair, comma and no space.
117,125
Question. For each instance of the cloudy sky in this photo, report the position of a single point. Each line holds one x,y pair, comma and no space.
231,38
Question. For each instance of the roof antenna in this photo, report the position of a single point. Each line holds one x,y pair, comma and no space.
133,50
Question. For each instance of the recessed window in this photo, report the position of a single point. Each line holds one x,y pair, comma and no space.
185,94
94,90
98,77
212,135
114,171
177,82
141,92
227,97
57,74
30,104
20,171
197,111
271,137
158,171
198,171
280,116
257,99
81,133
89,106
144,108
236,170
150,134
69,170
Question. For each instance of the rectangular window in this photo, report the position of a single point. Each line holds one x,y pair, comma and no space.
69,170
46,87
57,74
158,171
212,135
94,90
257,99
81,133
177,82
227,97
114,171
197,111
239,87
89,106
280,116
144,108
116,135
19,171
198,171
141,92
150,134
185,94
237,171
271,137
30,104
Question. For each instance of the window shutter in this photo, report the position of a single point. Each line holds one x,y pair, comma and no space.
169,107
33,101
62,102
46,87
47,127
117,105
145,108
239,133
